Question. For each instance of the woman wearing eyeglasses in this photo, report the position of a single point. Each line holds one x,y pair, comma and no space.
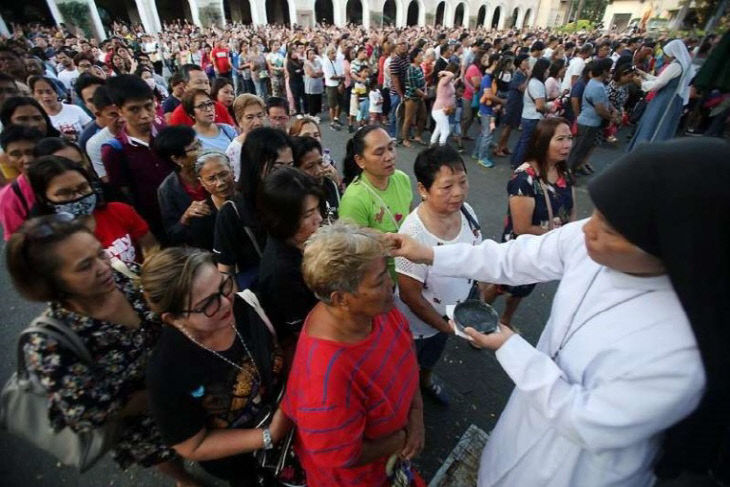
190,197
201,108
57,259
216,371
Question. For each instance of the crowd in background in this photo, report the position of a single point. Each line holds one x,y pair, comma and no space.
149,176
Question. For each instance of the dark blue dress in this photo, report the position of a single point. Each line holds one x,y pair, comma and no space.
661,117
513,109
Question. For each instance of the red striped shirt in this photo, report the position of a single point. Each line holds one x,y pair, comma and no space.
341,394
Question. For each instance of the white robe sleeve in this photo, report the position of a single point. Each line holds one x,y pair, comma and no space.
525,260
610,414
654,83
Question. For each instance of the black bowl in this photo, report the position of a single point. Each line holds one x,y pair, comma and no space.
476,314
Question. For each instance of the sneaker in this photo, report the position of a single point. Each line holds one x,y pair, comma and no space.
485,163
436,391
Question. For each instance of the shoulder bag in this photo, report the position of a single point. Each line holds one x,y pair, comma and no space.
24,405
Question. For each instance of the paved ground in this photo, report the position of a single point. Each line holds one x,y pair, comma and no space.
478,387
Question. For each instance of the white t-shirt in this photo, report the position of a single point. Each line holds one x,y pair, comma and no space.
70,121
438,290
93,150
575,68
535,89
68,78
376,101
233,151
332,68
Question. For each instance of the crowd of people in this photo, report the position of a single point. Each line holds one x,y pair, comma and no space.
169,195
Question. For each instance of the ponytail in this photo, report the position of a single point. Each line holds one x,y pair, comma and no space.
355,147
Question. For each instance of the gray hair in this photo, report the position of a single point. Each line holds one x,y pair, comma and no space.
210,155
337,256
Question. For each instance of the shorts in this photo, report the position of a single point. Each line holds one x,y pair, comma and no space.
429,350
333,97
354,105
517,291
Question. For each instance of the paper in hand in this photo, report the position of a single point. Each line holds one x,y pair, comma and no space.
458,331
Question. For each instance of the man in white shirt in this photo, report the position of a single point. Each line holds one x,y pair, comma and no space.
69,73
575,68
334,74
107,116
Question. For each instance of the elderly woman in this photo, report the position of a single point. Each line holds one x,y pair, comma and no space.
637,337
442,218
351,414
190,197
250,113
216,371
58,260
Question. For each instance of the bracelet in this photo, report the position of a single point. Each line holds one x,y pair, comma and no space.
268,444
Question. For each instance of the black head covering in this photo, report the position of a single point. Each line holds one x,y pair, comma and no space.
672,200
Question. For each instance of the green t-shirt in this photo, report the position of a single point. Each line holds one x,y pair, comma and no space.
370,207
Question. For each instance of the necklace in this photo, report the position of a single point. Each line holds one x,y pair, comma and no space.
220,356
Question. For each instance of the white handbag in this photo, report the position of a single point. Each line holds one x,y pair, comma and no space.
24,405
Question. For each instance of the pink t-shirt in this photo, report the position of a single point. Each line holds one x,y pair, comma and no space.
12,210
445,93
470,73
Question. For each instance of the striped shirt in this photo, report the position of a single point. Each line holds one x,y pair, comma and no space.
341,394
398,69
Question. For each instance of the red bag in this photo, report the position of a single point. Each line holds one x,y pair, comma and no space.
574,128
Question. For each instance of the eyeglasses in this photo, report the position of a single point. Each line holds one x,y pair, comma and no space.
212,304
206,105
67,194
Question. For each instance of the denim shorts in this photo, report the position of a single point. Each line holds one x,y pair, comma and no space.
429,350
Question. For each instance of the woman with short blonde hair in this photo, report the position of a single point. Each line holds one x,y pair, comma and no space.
357,333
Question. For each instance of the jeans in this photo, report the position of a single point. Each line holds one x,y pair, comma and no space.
441,132
481,146
393,125
261,89
518,155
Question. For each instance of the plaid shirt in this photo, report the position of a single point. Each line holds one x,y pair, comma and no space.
414,81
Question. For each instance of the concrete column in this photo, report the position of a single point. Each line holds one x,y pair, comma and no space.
400,13
4,27
96,24
55,12
194,13
259,18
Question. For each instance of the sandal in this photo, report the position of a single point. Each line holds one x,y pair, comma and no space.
500,153
406,143
436,392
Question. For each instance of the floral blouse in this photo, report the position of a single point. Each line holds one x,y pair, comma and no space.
84,396
524,182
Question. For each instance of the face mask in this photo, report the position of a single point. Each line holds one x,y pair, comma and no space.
79,207
150,82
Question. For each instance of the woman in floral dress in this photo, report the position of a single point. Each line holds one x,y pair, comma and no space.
57,259
542,178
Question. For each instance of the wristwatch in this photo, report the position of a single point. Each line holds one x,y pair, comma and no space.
268,444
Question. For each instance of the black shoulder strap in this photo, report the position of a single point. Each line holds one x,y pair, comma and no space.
473,224
20,195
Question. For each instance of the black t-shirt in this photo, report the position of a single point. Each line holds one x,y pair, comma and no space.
284,296
170,104
232,244
330,204
191,388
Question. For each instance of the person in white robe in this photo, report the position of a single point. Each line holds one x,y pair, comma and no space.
618,362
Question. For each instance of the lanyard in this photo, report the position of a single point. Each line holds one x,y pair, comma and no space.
374,193
572,331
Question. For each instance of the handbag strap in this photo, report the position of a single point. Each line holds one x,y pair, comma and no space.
382,202
253,301
246,229
57,330
547,203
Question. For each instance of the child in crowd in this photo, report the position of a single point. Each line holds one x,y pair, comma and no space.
455,117
375,105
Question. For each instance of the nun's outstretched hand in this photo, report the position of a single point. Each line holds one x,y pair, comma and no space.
490,341
401,245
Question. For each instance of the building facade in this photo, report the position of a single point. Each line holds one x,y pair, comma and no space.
152,14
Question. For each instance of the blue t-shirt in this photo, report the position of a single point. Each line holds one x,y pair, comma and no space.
594,94
220,142
485,110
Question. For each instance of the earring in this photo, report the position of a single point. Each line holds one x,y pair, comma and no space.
424,196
